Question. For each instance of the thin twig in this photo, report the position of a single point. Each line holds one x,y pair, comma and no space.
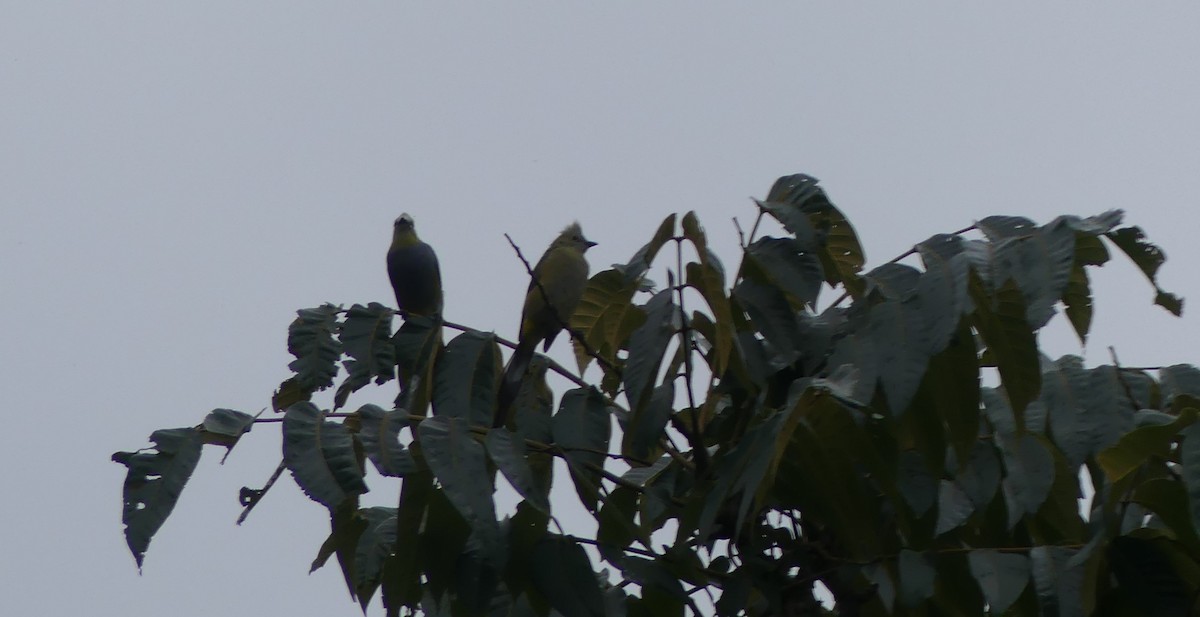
910,252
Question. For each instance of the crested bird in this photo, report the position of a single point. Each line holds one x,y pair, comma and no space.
559,279
413,269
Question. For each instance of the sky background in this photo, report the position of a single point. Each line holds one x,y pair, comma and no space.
176,180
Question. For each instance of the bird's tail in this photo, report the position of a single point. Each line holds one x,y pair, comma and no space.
510,384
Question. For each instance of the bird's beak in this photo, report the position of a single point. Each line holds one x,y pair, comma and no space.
590,244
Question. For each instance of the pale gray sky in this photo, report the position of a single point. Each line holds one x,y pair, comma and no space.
176,180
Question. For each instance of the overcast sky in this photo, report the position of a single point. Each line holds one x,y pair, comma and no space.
176,181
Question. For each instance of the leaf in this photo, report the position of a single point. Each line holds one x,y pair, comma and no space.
1065,386
289,393
895,281
1000,320
790,267
380,435
466,378
311,341
980,476
1179,380
376,541
998,228
365,335
1057,582
1157,572
953,380
1089,251
708,278
1189,465
153,483
1140,445
645,429
320,455
508,453
639,264
581,428
1030,470
1168,500
605,316
954,507
616,528
773,316
1148,258
1040,261
917,486
838,247
647,347
898,335
224,427
460,466
566,578
916,578
1001,576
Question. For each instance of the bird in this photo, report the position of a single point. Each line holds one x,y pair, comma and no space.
555,289
413,269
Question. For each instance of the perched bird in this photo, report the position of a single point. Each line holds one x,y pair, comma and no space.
413,269
559,279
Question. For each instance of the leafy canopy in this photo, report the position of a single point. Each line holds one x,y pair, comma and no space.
769,441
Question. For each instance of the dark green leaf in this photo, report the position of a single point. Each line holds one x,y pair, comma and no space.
1001,576
1058,584
224,427
311,341
289,393
380,435
617,530
566,579
917,486
416,343
320,455
1148,259
953,381
153,484
1189,465
1030,470
998,228
1040,262
643,433
507,451
792,269
1157,572
639,264
895,281
375,543
980,477
582,428
1065,386
708,279
1168,500
460,466
466,378
898,334
647,346
916,578
954,507
1110,411
1000,320
365,335
773,316
1177,380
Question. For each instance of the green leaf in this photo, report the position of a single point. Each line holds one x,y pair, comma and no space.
1040,262
708,278
790,267
898,332
289,393
466,378
647,347
1001,576
1179,380
639,264
998,228
224,427
838,248
916,578
646,426
582,428
320,455
894,281
953,379
917,486
773,316
311,340
1057,582
980,476
153,483
566,579
380,435
416,342
460,466
954,507
507,451
1030,470
1000,320
1140,445
365,335
1148,258
1156,571
1065,385
616,528
376,541
1189,466
1168,499
605,316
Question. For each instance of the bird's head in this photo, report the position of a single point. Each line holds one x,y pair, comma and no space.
404,221
572,236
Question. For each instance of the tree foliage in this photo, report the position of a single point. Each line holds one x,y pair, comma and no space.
904,448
